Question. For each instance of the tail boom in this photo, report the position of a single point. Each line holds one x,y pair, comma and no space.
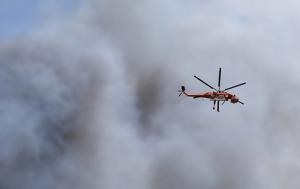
182,91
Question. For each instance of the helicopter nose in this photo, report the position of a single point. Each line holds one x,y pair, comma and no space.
234,99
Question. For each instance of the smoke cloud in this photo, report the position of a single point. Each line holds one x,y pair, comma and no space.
89,101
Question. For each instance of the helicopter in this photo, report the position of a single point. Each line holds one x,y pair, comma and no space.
217,95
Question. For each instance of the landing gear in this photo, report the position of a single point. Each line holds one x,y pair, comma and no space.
214,105
218,105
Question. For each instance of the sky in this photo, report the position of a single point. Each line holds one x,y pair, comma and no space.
20,17
88,94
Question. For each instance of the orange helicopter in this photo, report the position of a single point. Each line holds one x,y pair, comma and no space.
217,95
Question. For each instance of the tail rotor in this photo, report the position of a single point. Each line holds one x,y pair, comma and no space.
181,91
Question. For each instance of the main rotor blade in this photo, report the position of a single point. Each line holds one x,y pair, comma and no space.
241,102
219,83
205,83
234,86
218,106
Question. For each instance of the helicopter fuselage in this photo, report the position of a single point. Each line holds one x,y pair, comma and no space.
215,96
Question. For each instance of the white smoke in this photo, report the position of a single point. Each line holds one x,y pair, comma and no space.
89,101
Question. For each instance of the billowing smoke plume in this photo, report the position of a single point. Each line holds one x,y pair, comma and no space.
90,101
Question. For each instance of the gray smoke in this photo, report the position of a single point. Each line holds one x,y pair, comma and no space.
90,101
